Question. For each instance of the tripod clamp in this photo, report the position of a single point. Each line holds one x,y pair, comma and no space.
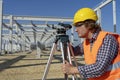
63,38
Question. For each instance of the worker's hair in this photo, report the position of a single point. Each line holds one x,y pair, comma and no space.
92,25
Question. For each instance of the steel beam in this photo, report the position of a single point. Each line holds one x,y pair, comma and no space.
34,18
102,4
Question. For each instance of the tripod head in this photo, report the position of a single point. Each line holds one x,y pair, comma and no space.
61,32
62,38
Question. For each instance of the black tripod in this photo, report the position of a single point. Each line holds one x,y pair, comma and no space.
65,50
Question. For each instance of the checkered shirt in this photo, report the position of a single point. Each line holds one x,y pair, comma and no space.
107,52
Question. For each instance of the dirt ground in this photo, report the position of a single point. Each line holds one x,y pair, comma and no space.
26,66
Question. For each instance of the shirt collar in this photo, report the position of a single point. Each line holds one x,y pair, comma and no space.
94,36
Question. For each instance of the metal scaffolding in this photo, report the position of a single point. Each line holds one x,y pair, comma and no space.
27,30
18,33
103,4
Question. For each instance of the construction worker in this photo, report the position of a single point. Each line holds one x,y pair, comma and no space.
100,48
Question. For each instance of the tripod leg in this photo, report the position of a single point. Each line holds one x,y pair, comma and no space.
63,56
71,50
74,77
49,61
70,47
69,57
61,47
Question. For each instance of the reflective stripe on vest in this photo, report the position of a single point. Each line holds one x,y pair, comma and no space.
114,66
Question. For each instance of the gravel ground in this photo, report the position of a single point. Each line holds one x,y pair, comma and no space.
26,66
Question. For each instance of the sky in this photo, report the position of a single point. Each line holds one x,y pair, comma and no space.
61,8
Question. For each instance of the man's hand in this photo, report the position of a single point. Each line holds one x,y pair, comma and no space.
67,68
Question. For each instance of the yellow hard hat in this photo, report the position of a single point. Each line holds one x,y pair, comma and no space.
84,14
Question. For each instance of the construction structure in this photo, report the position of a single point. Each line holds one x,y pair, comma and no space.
21,33
34,34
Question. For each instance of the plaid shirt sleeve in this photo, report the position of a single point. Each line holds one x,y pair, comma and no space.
106,54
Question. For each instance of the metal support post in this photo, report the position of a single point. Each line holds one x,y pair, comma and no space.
11,33
1,7
114,15
99,16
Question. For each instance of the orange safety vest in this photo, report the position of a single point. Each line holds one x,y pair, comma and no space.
113,71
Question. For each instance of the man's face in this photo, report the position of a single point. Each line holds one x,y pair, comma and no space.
81,30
